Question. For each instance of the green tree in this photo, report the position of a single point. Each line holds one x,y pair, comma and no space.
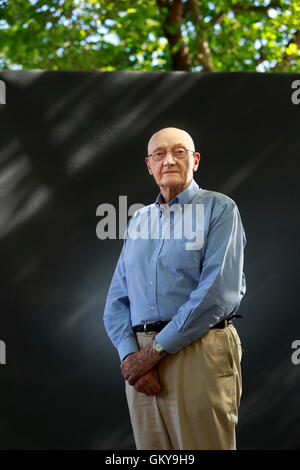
191,35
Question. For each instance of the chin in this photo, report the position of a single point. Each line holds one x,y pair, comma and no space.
171,177
172,182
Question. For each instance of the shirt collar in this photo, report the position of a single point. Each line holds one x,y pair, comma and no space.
182,198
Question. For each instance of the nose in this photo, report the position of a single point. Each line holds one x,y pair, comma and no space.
167,160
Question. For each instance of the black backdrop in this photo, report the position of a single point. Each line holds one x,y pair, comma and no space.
71,141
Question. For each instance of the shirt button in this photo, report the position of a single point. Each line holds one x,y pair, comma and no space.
152,308
151,283
153,259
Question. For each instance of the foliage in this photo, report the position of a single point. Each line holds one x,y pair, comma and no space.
228,35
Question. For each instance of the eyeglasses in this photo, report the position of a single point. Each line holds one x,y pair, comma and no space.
176,153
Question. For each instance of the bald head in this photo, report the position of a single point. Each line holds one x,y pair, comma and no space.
171,133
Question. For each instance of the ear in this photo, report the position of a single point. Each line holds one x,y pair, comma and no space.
148,165
196,160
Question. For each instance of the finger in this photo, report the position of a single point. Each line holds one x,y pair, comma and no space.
128,377
156,388
134,375
142,389
148,391
148,383
152,382
146,388
131,379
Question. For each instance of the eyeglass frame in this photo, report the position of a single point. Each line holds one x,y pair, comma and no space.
166,153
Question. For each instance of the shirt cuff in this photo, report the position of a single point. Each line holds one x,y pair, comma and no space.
171,339
127,346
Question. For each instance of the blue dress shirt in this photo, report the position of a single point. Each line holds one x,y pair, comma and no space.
157,278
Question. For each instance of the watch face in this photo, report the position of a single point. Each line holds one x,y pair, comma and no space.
157,347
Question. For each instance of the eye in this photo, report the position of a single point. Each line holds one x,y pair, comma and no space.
158,154
179,152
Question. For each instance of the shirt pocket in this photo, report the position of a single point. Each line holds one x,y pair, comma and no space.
223,352
177,257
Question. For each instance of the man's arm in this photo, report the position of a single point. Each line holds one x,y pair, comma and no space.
221,285
118,326
116,318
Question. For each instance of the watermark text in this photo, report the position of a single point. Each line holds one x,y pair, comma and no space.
296,94
295,358
2,92
153,222
2,352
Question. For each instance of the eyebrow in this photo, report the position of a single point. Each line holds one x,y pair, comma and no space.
180,144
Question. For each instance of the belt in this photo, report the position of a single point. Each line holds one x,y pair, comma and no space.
150,327
226,322
156,327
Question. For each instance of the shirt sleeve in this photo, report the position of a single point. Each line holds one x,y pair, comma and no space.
117,318
221,285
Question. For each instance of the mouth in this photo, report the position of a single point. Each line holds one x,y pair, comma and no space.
169,172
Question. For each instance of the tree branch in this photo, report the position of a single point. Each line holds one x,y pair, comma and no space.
261,59
286,58
239,8
171,25
203,54
218,18
256,9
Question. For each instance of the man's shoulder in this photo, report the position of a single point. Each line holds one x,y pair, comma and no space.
214,197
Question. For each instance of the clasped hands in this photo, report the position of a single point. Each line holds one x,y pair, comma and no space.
139,370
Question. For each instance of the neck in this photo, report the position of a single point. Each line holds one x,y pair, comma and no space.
169,192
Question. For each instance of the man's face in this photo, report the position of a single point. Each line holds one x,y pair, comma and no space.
171,171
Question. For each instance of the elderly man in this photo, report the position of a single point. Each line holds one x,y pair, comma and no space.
170,306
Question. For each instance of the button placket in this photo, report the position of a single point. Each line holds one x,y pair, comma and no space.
151,284
168,224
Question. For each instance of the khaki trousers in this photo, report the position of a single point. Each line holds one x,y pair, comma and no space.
197,408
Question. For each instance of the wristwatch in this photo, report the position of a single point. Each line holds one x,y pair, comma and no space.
158,348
